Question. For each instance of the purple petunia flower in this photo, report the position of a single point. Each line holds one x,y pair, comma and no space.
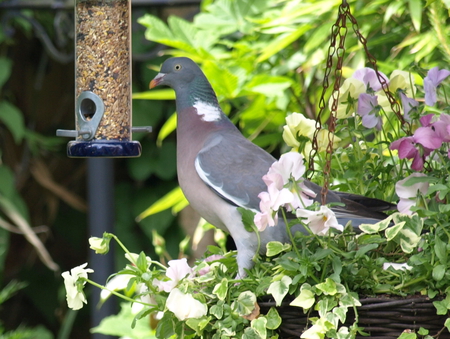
431,82
369,77
368,109
408,106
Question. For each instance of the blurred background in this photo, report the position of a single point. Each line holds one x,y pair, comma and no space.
56,197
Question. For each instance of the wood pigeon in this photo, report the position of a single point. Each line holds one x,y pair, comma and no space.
219,169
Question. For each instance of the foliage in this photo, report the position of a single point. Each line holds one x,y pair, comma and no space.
266,58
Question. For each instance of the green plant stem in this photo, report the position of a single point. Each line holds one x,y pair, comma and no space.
409,283
288,230
117,294
129,253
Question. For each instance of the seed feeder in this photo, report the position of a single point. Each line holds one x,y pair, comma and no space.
103,81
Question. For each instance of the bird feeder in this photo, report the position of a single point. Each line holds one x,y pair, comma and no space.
103,81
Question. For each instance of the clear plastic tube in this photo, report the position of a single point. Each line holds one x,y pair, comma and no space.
103,65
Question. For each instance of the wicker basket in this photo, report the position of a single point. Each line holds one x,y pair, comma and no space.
382,317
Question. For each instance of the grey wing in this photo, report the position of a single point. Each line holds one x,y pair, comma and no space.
233,168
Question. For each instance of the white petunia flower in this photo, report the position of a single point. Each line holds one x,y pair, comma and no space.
185,306
74,286
319,221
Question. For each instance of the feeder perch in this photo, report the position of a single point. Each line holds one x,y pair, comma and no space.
103,81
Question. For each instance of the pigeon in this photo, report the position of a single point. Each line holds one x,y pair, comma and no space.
219,169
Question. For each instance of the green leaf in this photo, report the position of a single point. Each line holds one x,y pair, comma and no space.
447,323
270,86
393,231
5,70
282,42
169,126
250,333
259,325
221,289
364,249
12,118
305,299
438,272
224,83
349,300
273,319
247,219
166,326
275,247
415,9
375,228
198,324
171,199
440,248
341,312
423,331
442,306
279,289
245,303
157,94
119,325
217,310
328,287
325,305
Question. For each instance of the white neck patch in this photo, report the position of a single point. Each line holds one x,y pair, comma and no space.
207,111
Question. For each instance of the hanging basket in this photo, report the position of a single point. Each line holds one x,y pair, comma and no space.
383,317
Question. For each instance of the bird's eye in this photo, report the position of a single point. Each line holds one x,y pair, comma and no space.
177,67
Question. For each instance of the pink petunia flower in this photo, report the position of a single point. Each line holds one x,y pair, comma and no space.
267,216
408,148
431,82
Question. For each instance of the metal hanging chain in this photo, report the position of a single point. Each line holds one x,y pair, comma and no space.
338,34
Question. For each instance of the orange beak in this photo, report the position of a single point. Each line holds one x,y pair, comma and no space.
156,80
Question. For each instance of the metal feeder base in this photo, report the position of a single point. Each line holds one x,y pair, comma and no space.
104,149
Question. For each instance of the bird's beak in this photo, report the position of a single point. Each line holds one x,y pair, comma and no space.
157,80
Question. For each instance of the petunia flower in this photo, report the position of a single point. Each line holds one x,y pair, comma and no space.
146,297
408,148
74,283
431,82
298,130
428,137
396,266
211,258
291,169
403,82
99,245
319,221
409,105
290,165
348,97
408,194
116,283
267,216
368,109
370,79
178,269
441,127
184,305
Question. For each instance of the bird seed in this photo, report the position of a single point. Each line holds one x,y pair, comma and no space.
102,66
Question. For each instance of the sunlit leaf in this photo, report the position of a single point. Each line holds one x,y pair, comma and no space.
171,199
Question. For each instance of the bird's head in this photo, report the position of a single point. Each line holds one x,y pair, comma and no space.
176,72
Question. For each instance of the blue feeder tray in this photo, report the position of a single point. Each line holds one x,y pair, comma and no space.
104,149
